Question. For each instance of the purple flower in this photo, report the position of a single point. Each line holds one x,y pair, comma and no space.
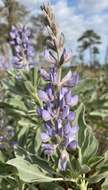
70,80
50,93
71,100
70,133
44,74
13,33
71,116
50,57
53,76
65,112
45,137
74,80
65,57
1,138
48,149
58,132
59,124
66,79
43,96
47,133
72,145
22,48
56,113
63,92
46,115
62,164
39,111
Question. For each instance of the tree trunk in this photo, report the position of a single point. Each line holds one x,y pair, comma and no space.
91,56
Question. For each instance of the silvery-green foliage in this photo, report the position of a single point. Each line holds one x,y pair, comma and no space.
94,94
47,158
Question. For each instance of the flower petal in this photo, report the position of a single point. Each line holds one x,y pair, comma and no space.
45,137
65,112
63,161
71,116
74,100
72,145
49,57
66,78
48,149
46,115
63,91
44,74
43,95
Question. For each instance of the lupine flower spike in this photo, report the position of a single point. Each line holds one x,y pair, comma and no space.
58,100
22,48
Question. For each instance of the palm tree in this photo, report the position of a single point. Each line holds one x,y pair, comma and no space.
90,40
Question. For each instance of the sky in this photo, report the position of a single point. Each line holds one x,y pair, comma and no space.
76,16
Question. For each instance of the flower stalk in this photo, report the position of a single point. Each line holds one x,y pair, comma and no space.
59,133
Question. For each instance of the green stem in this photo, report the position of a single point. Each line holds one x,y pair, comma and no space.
83,185
37,99
35,76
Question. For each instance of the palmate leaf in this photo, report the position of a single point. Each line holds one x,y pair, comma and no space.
33,158
87,142
30,173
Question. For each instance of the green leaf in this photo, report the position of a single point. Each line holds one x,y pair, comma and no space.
105,184
51,186
97,178
6,170
88,144
12,110
37,140
29,87
95,160
9,184
75,167
17,102
85,169
22,133
31,172
85,85
103,166
100,113
22,153
2,157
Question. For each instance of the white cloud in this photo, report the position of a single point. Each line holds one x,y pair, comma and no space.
74,22
92,6
31,3
1,3
71,24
